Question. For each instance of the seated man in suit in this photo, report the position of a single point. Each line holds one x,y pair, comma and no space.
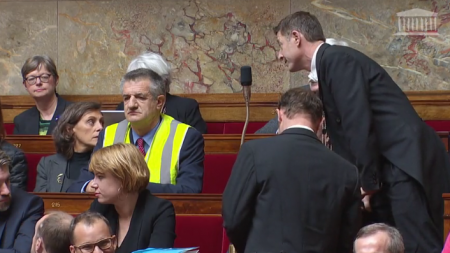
90,230
52,233
40,79
379,238
183,109
19,212
289,193
173,150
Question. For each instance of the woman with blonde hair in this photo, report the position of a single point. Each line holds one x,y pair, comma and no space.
138,219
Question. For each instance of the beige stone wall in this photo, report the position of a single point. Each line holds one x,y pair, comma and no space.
206,41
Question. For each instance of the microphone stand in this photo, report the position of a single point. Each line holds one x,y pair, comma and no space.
247,94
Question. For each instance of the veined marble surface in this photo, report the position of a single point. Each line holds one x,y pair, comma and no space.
207,41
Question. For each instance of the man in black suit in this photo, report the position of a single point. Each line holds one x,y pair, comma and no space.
183,109
19,212
289,193
40,79
402,162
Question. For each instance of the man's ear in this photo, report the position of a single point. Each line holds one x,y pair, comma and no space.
39,245
297,37
72,249
160,102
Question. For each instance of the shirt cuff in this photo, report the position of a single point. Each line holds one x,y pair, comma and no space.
83,189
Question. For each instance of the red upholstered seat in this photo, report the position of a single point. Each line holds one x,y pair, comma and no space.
204,231
217,171
237,127
33,161
9,128
439,125
233,127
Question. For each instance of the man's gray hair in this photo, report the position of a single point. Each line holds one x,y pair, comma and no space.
395,244
153,62
156,81
5,160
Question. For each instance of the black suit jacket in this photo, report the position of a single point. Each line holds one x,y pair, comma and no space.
27,122
190,173
152,224
289,193
18,168
183,109
372,124
18,222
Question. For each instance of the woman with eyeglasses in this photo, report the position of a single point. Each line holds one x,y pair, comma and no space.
137,218
40,79
75,137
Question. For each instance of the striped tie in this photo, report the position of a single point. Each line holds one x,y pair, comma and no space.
140,143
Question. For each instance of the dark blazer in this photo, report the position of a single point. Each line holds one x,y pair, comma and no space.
371,123
183,109
27,122
18,168
51,174
190,173
271,126
289,193
18,222
152,224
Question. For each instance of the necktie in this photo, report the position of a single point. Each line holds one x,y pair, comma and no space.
140,143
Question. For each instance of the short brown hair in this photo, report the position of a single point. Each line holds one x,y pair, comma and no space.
63,134
5,160
395,244
125,162
37,62
88,218
55,232
304,22
298,100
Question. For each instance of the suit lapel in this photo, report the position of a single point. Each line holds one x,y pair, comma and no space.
2,227
60,107
32,126
58,173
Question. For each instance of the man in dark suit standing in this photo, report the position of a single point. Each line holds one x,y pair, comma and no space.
19,212
290,193
402,162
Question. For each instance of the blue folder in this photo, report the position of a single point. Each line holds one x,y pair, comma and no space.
154,250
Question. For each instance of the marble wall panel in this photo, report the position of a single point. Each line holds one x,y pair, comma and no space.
206,43
26,29
415,60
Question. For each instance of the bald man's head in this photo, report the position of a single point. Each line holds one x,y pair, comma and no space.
52,233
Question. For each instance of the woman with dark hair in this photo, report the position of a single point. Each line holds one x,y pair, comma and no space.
75,137
18,167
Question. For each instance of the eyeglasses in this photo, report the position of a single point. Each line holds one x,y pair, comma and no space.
103,244
31,80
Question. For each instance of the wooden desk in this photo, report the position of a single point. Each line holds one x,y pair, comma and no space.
446,197
184,203
214,143
226,107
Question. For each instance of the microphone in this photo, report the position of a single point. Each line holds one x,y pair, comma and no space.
246,82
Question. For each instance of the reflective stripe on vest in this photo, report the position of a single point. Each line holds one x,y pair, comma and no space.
163,155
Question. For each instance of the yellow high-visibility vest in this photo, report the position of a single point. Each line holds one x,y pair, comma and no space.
163,155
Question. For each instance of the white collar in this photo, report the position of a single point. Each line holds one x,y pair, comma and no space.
313,74
300,126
